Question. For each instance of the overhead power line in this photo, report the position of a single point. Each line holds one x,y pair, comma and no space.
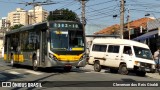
100,3
47,2
104,13
145,10
98,10
34,4
100,17
9,2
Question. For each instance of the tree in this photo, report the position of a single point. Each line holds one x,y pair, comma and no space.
63,14
16,26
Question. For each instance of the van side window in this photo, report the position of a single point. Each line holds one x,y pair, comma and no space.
127,50
113,48
101,48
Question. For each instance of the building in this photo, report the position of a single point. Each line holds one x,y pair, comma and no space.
19,16
152,37
137,28
111,30
3,27
3,22
144,30
40,15
24,17
90,29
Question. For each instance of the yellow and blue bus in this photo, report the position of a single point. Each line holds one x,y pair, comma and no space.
47,44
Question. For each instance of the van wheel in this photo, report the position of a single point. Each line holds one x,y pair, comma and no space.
123,69
97,67
35,64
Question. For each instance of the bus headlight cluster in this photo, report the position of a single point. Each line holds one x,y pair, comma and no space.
83,57
52,56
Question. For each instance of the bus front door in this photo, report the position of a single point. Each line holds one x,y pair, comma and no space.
43,47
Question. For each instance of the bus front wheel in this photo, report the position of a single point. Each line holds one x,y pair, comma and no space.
35,64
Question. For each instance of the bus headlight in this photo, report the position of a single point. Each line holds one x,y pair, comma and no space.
52,56
83,57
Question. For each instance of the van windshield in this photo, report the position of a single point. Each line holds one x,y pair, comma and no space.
142,52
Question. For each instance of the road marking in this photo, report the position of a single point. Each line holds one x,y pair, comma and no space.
96,72
2,76
13,72
33,72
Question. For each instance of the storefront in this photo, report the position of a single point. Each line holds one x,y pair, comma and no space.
152,37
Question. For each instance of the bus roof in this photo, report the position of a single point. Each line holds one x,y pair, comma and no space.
119,42
29,27
64,21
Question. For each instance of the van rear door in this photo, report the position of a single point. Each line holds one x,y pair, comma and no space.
98,53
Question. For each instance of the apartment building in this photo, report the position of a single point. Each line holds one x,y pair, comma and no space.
3,26
40,15
3,22
19,16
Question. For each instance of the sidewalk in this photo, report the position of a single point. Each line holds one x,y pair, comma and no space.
153,75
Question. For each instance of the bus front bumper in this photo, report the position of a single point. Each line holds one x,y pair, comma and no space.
57,63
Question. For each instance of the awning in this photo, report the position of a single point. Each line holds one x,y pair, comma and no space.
145,36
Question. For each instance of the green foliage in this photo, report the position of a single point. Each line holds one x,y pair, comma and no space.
63,14
16,26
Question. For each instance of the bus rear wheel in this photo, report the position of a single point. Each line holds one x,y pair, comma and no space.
35,64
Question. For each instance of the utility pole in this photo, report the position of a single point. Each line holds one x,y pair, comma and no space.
121,18
34,16
83,4
128,25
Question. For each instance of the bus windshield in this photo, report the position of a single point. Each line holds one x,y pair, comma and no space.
67,40
142,53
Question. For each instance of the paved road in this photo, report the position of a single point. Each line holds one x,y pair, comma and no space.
25,73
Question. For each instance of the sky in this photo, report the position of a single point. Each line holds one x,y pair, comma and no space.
99,12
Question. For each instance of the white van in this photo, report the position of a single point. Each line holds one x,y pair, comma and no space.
121,56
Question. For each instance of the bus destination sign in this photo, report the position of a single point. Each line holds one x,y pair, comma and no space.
65,25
